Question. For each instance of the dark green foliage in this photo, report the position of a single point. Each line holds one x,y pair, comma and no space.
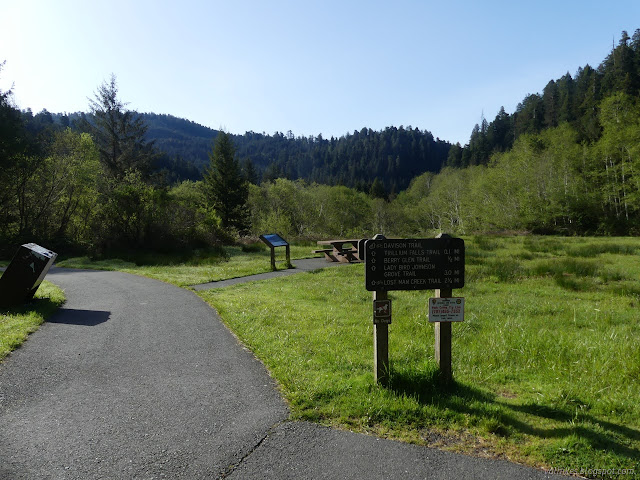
567,161
175,170
568,99
58,190
118,133
500,134
377,189
12,145
249,172
395,154
226,186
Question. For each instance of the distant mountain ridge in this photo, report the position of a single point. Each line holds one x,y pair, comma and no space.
393,155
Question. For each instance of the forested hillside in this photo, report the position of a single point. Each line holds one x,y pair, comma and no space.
566,162
394,155
574,100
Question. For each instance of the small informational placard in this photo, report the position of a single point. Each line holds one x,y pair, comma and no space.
446,309
382,311
274,240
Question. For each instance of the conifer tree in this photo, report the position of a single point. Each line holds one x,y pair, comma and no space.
377,189
226,185
119,134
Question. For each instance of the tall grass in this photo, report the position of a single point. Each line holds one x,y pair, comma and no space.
546,363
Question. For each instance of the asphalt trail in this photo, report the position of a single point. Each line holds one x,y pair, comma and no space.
133,378
138,379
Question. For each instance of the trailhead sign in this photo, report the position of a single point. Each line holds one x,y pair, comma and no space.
414,264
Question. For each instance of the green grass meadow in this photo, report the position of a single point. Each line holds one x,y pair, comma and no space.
546,363
199,267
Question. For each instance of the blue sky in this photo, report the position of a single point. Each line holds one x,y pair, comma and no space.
312,67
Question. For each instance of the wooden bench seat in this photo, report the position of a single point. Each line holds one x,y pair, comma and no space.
328,254
345,251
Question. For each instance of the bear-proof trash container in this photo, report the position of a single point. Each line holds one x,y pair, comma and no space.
24,274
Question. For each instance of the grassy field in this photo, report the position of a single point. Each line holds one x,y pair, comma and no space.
17,323
202,267
546,364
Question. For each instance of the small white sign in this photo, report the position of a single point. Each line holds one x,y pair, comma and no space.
446,309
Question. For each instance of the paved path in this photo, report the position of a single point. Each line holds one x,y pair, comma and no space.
304,265
137,379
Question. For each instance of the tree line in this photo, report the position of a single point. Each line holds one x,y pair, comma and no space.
99,187
566,162
393,156
96,183
547,183
570,99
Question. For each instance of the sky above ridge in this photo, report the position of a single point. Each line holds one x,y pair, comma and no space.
311,67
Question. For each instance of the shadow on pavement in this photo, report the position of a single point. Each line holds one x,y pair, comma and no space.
86,318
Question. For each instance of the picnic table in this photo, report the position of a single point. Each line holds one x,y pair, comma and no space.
342,250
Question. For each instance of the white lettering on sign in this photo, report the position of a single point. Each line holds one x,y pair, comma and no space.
446,309
409,264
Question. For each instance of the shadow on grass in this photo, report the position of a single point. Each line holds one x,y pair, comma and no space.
44,306
194,257
501,417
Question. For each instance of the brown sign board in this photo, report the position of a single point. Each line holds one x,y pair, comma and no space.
382,311
414,264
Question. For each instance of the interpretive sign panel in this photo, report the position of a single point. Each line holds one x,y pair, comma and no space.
274,240
414,264
446,309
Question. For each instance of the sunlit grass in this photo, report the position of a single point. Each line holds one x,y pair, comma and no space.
18,322
546,363
198,268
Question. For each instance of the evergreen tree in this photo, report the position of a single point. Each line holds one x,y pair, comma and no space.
13,147
566,100
500,135
550,101
118,133
226,186
250,174
12,135
529,115
454,158
377,189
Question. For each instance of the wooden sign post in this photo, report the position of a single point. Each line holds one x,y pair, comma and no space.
443,342
381,321
381,340
413,264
